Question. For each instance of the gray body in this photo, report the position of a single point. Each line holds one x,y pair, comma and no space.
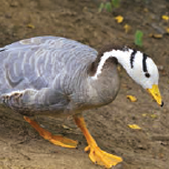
50,76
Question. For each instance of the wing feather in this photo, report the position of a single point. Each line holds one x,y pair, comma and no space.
38,62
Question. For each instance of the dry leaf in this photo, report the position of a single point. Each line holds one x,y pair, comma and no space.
119,19
144,115
66,127
131,98
127,28
157,36
134,126
165,17
167,30
153,115
31,26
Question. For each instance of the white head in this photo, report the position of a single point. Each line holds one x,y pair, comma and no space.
140,68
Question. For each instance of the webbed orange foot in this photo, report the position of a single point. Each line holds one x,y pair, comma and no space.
96,155
57,140
101,157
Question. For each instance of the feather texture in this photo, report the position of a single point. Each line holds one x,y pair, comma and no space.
42,68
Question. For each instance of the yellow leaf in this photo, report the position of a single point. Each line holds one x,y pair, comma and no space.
144,115
165,17
153,115
127,28
131,98
134,126
157,36
119,19
167,30
31,26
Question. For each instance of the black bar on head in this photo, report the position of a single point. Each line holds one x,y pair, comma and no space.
132,58
144,62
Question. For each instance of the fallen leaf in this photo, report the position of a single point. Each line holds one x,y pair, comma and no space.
165,17
31,26
153,116
131,98
134,126
127,28
156,36
144,115
66,127
167,30
119,19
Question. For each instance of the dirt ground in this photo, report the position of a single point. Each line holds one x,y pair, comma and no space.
20,145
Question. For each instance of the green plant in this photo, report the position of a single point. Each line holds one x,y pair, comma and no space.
138,38
115,3
108,6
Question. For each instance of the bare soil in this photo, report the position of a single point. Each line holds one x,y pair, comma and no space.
20,145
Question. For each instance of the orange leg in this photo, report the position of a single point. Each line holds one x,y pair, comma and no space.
57,140
96,155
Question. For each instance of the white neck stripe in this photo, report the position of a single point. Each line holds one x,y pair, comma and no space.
122,56
101,64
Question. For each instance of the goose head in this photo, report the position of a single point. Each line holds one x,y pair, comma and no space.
139,66
145,73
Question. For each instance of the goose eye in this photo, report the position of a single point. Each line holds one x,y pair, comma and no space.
147,75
